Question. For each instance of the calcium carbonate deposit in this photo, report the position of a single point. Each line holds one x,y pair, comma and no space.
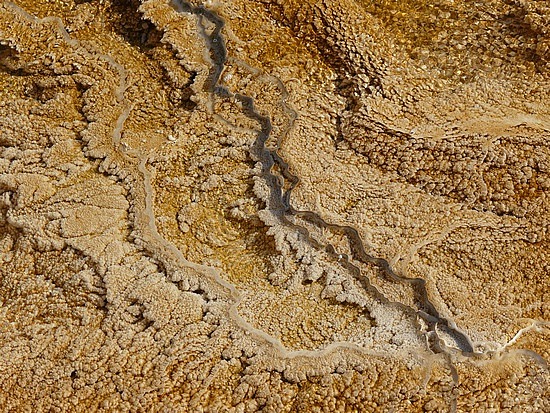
275,206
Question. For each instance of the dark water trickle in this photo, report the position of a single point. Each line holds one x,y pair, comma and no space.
280,197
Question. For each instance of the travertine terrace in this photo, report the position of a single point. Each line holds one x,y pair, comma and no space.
275,206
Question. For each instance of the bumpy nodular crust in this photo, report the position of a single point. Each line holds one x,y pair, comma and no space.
274,206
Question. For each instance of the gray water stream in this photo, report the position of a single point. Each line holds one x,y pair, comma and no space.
280,197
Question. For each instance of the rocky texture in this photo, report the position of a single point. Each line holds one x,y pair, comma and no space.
274,206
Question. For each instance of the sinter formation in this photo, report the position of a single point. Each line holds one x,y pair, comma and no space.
274,206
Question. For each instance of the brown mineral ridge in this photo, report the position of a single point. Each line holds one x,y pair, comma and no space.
141,268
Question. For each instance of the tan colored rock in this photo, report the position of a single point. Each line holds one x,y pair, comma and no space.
149,259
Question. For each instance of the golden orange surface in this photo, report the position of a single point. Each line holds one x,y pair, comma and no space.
275,206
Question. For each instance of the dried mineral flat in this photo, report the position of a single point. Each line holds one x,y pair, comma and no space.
275,205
